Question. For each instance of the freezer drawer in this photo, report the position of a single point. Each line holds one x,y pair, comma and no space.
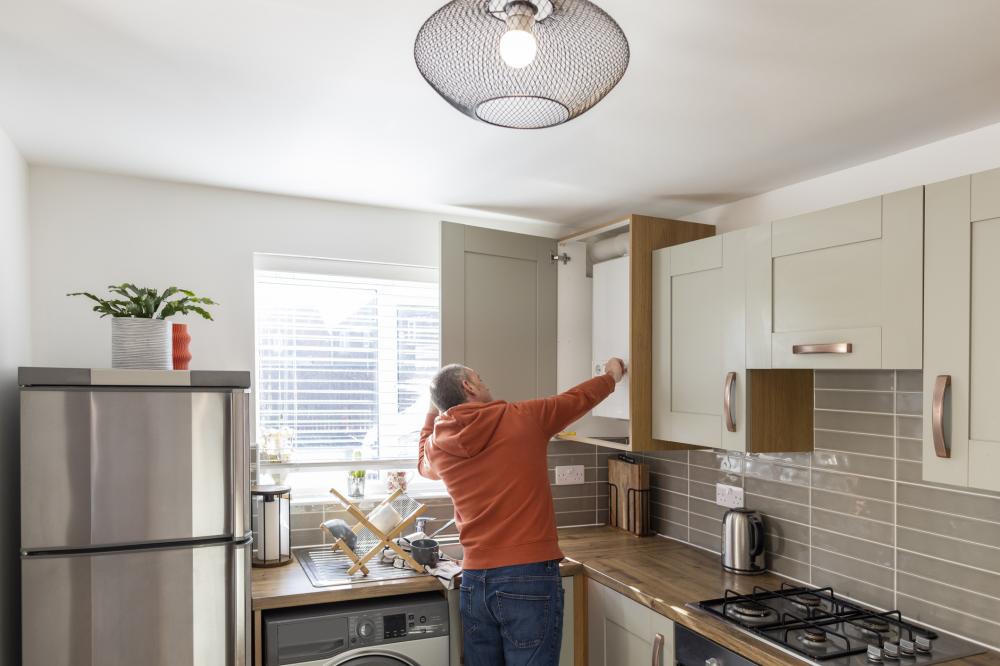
108,467
155,607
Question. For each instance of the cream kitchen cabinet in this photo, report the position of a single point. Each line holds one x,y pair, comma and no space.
604,308
703,393
961,332
839,288
621,631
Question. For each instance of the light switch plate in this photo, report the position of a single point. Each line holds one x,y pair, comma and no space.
730,496
569,475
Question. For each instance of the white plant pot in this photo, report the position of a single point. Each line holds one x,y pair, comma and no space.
144,344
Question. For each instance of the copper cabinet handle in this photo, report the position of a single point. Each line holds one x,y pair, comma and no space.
727,401
826,348
658,650
941,385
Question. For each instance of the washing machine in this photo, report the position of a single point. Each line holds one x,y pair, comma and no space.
410,630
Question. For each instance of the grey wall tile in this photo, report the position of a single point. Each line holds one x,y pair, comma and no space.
676,500
874,445
909,426
703,508
854,505
857,548
977,531
705,475
771,471
855,401
909,380
856,485
956,574
671,529
909,403
786,529
872,424
854,463
966,625
776,490
909,449
769,506
705,524
789,567
948,501
667,466
787,548
861,528
945,595
951,550
672,483
854,588
703,491
575,504
716,459
877,380
704,540
853,568
571,518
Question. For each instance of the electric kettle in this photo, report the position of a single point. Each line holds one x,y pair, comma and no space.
743,542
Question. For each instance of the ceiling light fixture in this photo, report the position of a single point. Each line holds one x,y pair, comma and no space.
524,64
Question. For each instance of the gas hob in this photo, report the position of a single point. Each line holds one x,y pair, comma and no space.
820,627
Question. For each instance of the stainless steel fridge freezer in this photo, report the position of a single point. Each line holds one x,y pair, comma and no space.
135,526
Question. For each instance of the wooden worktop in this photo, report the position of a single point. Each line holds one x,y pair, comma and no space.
281,587
659,573
667,575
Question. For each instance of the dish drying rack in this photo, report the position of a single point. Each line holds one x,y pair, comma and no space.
370,539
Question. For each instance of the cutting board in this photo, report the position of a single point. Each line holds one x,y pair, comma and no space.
628,511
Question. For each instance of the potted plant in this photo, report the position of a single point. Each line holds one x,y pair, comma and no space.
141,336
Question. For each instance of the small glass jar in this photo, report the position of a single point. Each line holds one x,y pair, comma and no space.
356,484
270,509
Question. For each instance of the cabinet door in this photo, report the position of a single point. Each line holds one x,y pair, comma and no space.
842,287
611,329
498,308
621,630
699,337
962,325
662,630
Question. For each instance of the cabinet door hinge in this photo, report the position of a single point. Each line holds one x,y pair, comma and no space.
556,257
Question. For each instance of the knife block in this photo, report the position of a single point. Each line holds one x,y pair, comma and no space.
628,496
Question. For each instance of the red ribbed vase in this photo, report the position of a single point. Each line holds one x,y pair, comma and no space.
182,344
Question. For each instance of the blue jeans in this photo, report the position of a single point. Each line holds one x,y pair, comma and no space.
512,616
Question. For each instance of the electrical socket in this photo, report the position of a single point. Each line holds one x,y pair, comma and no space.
731,496
569,475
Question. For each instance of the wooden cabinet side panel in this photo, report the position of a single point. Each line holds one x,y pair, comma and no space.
947,282
780,404
903,279
648,234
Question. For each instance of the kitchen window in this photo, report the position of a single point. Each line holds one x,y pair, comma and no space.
344,355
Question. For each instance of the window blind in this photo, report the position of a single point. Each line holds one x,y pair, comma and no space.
345,362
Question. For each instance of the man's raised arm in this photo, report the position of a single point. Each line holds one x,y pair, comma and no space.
423,464
557,412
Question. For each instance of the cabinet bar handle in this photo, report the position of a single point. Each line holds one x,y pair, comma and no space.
826,348
941,384
727,401
658,650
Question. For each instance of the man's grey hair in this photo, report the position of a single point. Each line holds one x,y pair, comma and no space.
446,387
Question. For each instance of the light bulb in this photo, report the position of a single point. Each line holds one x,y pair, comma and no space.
518,48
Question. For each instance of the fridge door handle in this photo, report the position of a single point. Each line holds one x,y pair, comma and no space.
241,469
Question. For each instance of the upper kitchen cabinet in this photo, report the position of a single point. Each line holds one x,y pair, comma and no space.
839,288
498,308
605,309
703,393
961,329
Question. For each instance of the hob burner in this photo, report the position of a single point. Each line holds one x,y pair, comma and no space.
813,636
751,610
808,600
875,625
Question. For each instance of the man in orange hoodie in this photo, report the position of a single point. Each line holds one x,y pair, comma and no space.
492,458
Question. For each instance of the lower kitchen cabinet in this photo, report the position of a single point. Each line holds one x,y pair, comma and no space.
622,631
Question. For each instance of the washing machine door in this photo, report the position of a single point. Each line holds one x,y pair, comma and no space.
376,659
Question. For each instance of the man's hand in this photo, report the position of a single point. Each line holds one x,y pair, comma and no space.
616,368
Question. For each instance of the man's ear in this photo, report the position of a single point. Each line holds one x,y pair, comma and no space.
468,388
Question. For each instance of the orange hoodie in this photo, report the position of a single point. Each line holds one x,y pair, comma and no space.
492,458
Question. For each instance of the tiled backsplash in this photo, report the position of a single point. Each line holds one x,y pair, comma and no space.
584,504
855,513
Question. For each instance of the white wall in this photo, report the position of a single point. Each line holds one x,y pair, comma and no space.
955,156
89,230
14,351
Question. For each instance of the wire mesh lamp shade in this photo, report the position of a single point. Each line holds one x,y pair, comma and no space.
521,64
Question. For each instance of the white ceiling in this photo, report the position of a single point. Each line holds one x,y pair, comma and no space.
321,98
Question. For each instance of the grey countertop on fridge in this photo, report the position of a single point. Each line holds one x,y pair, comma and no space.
35,376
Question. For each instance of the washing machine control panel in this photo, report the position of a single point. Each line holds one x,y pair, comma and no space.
398,624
